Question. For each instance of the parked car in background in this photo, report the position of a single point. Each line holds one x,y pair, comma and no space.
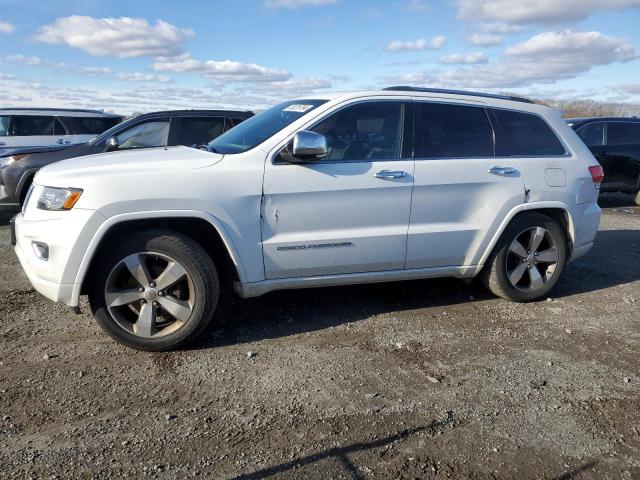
334,189
158,129
615,142
35,127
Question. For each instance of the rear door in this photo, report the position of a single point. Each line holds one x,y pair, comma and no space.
461,192
32,131
621,160
63,133
196,131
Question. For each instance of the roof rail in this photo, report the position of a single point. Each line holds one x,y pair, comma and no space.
51,109
456,92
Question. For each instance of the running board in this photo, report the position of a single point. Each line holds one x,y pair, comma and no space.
255,289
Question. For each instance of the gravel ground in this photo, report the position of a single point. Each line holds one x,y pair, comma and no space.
425,379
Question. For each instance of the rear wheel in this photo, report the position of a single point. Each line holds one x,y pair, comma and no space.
155,291
528,260
637,198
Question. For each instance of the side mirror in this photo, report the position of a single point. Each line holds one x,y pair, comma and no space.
309,146
111,144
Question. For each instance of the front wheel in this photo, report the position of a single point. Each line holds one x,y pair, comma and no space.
156,290
528,259
637,198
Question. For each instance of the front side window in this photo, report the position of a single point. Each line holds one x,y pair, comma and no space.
4,125
367,131
257,129
528,135
623,133
144,135
592,134
451,131
27,125
196,131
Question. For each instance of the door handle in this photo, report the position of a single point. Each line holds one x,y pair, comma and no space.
62,141
503,171
2,144
390,175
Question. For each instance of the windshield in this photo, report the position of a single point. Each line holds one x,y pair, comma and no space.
256,130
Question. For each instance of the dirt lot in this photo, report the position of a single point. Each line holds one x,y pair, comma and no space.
428,379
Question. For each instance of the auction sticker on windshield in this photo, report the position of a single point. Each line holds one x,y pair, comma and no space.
298,107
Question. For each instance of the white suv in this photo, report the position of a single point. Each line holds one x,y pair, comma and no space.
397,184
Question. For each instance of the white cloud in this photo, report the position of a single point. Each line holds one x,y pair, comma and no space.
293,4
6,27
500,28
543,59
485,39
123,37
299,86
415,5
435,43
23,59
464,59
537,11
221,70
143,77
93,71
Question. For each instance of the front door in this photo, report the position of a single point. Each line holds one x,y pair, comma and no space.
349,212
461,190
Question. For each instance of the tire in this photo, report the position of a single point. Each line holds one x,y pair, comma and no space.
131,308
637,198
508,261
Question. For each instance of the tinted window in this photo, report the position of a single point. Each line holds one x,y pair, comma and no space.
592,134
528,135
255,130
60,129
446,131
32,125
89,125
4,125
143,135
369,131
196,131
232,122
621,133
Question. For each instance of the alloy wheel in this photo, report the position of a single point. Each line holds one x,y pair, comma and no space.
532,259
149,294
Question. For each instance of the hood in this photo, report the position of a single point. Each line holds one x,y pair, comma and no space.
163,159
8,151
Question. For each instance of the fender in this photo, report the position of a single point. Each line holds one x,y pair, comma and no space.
527,207
147,215
24,178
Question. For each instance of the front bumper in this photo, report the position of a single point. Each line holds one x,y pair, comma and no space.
67,235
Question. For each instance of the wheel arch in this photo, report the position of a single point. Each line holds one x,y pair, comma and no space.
556,210
205,229
25,180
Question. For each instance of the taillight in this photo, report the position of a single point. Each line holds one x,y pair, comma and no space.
597,174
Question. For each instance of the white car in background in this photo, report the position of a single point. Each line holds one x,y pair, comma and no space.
43,127
397,184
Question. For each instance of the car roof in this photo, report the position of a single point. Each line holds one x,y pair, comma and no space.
439,94
582,120
179,113
67,112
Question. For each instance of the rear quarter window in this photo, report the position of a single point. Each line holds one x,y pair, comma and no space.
527,135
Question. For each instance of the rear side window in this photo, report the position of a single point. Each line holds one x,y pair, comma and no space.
196,131
232,122
27,125
451,131
88,125
528,135
592,134
621,133
4,126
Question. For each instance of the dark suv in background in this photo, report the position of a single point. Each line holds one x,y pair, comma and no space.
615,142
184,127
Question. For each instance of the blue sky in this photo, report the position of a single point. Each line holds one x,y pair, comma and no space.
147,55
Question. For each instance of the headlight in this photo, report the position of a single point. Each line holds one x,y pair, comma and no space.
53,198
9,160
